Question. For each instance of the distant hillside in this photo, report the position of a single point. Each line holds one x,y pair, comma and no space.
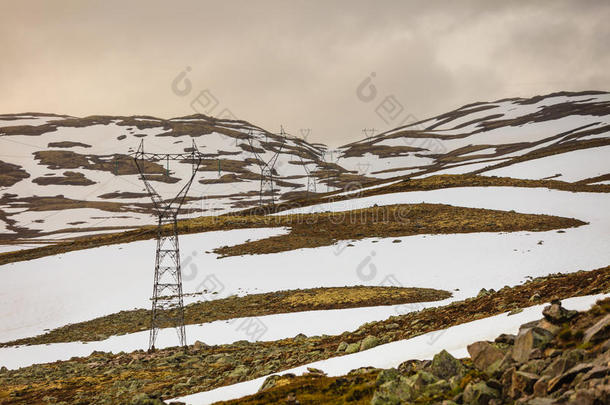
61,176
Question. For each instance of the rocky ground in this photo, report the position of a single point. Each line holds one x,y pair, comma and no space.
107,378
564,358
251,305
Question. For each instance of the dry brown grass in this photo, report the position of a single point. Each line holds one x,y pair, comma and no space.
324,229
253,305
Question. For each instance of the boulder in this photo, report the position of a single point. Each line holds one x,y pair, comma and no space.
342,346
143,399
483,354
352,348
445,365
421,379
276,381
386,375
506,338
558,366
557,314
239,372
410,366
315,371
598,332
369,342
394,392
479,394
528,339
597,372
540,387
435,389
567,377
522,384
549,326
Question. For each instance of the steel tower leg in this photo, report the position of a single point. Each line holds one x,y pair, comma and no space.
167,301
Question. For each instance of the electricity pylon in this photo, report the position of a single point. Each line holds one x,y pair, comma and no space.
335,155
167,299
368,132
267,167
311,180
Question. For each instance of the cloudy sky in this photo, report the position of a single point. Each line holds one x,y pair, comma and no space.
335,67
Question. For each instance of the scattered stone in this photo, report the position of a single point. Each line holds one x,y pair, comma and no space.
506,338
445,365
276,381
393,392
515,311
549,326
143,399
557,314
540,386
410,366
369,342
291,399
528,339
239,372
479,394
568,376
596,372
558,366
386,375
522,384
483,354
598,332
315,371
352,348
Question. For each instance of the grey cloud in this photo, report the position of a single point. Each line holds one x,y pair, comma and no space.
296,63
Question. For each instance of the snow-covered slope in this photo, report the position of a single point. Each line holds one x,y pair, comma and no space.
484,137
60,172
62,176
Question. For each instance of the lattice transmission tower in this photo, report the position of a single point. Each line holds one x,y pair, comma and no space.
311,178
331,156
267,167
167,298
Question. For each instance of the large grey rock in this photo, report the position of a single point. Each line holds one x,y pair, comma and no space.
394,392
143,399
483,354
369,342
386,375
352,348
522,384
528,339
598,332
239,372
557,314
421,379
479,394
274,380
567,377
445,365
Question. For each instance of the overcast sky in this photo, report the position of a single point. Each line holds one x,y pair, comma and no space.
333,66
